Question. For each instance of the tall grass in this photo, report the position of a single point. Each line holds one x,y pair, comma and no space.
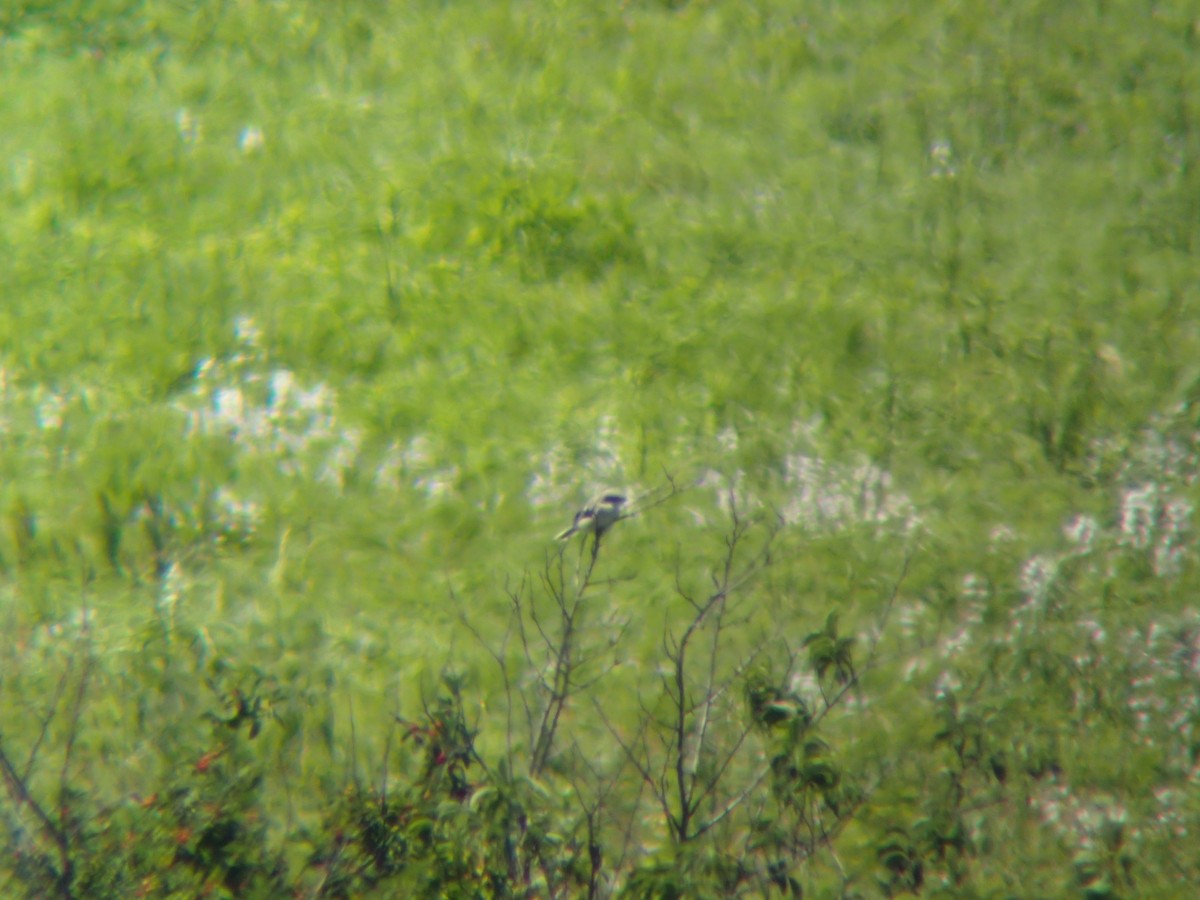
319,320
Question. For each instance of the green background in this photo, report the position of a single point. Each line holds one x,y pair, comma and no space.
318,320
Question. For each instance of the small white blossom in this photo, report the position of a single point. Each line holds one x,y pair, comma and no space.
1081,530
188,126
727,439
247,331
947,683
1037,577
250,139
941,160
1000,535
50,412
974,587
1139,511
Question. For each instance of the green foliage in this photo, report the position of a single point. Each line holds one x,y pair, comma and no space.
320,319
457,829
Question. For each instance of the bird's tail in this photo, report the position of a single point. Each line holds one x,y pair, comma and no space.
563,535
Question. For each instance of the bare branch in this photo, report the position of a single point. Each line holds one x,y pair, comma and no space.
735,802
51,711
18,792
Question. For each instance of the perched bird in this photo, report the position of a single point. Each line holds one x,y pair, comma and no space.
597,517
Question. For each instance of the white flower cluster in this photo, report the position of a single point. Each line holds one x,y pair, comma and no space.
1150,518
820,494
268,413
415,464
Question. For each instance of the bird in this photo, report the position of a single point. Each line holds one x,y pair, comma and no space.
597,517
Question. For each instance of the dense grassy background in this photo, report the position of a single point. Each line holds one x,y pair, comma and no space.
320,318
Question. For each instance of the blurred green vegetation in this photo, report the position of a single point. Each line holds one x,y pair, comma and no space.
320,319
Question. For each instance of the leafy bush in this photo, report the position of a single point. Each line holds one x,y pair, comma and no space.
318,318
